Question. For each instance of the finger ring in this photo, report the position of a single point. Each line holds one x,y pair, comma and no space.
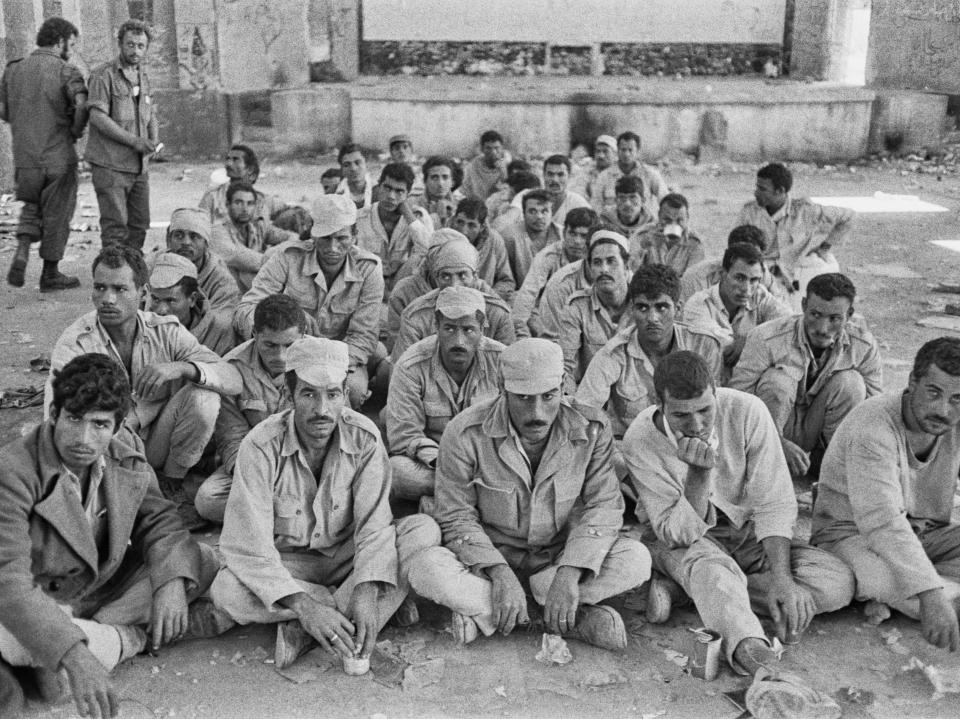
334,637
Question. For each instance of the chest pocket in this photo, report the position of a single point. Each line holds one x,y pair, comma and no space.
499,506
629,399
437,415
288,519
122,105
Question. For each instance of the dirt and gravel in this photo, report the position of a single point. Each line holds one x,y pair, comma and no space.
869,669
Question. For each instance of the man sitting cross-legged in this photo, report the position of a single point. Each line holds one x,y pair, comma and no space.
527,498
708,468
886,496
308,536
90,551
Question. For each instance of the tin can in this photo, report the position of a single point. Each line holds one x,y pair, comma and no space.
705,654
355,666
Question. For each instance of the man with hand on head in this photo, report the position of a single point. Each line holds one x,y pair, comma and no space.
711,477
241,165
668,241
91,554
527,500
176,381
308,539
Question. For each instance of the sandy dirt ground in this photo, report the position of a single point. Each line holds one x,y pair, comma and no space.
868,668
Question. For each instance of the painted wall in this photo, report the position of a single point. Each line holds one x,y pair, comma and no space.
575,22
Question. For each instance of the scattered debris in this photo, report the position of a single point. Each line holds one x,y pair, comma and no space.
941,322
681,660
554,650
891,636
501,691
945,680
604,679
654,715
855,695
423,675
259,654
412,652
893,271
239,659
299,673
21,338
387,668
21,397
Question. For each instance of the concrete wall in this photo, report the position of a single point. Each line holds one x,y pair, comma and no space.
906,121
192,124
575,22
830,40
315,118
915,45
791,121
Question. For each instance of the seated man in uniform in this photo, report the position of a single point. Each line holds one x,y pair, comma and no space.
886,496
708,468
241,165
708,272
90,551
735,305
177,382
527,500
493,267
669,240
278,322
308,537
619,378
811,370
593,315
630,215
455,264
174,291
433,381
527,232
242,238
189,236
338,285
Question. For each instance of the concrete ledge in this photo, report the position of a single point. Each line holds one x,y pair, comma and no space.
907,121
193,124
314,118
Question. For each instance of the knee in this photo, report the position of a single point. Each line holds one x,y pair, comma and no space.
830,581
417,532
211,500
634,560
776,384
209,567
712,569
201,404
425,568
847,386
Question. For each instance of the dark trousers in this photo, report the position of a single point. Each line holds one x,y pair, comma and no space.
49,197
124,200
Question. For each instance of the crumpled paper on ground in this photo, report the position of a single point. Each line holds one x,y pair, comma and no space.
554,650
945,680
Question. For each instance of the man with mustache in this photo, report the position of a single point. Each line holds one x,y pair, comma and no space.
629,216
711,477
44,98
528,502
812,369
619,378
736,304
91,554
278,322
579,225
308,539
177,382
435,380
188,235
338,285
593,315
886,496
454,265
393,228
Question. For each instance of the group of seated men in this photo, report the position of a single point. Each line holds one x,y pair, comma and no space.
542,373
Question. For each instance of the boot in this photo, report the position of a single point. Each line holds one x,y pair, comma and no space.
407,614
293,641
662,594
57,281
463,628
601,626
18,267
206,620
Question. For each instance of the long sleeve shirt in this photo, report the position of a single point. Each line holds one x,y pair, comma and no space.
654,187
158,340
706,310
585,327
564,282
750,481
797,229
397,251
521,248
874,486
545,263
218,283
215,202
652,247
348,310
493,266
619,378
423,397
242,246
277,504
488,500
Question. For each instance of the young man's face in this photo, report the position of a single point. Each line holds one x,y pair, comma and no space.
439,181
115,295
668,215
767,196
401,152
172,301
189,244
272,346
316,410
332,249
458,340
555,179
629,206
82,440
467,226
242,207
739,284
691,417
934,400
536,215
654,317
492,152
235,163
532,415
627,152
329,184
67,46
133,48
824,320
353,167
575,242
392,193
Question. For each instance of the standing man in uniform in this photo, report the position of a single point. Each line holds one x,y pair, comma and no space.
44,99
123,138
